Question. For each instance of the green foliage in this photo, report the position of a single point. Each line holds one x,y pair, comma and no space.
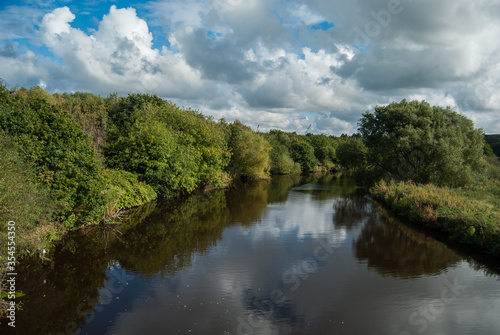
61,154
494,143
470,216
303,153
351,153
493,167
124,190
90,111
20,198
487,150
26,203
169,148
324,147
279,155
280,160
414,141
151,150
282,163
309,153
250,151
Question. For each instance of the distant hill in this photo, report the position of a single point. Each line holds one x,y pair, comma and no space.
494,142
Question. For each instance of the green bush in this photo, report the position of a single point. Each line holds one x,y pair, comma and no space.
90,112
414,141
324,148
351,153
170,148
124,190
250,151
62,156
465,215
25,202
280,160
303,153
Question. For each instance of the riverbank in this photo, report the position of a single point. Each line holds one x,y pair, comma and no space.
468,215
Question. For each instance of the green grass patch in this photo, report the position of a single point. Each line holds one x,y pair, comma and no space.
468,215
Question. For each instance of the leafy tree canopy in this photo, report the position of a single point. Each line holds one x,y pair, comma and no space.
412,140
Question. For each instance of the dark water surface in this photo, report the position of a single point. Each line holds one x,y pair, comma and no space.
287,256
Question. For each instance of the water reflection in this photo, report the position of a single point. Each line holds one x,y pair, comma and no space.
398,250
246,201
214,262
351,211
326,187
165,241
279,189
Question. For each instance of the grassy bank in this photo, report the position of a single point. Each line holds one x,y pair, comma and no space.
468,215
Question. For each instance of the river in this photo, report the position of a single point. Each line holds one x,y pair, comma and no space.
293,255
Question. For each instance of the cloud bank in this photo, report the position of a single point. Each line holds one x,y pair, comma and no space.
280,65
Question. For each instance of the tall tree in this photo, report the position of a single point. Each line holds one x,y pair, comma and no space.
412,140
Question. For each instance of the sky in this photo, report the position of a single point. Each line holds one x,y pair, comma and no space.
305,66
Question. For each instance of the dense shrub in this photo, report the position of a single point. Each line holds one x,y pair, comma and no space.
414,141
303,153
324,147
22,200
61,154
124,190
351,153
169,148
458,213
90,112
250,152
281,162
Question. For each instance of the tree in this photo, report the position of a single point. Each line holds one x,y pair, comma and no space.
279,156
170,148
412,140
324,147
61,154
494,143
303,153
351,153
250,152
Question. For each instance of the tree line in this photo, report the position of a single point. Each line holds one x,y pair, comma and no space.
73,158
83,156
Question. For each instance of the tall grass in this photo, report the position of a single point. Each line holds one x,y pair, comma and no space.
468,215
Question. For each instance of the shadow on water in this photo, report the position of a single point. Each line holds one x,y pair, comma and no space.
401,250
161,238
397,250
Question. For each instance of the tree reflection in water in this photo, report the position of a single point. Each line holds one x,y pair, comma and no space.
395,249
162,238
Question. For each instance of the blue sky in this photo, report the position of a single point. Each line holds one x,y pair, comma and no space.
280,64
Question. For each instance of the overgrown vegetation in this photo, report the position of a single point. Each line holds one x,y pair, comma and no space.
172,149
250,152
494,143
430,165
73,159
470,215
414,141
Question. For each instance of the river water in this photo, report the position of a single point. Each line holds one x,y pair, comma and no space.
294,255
